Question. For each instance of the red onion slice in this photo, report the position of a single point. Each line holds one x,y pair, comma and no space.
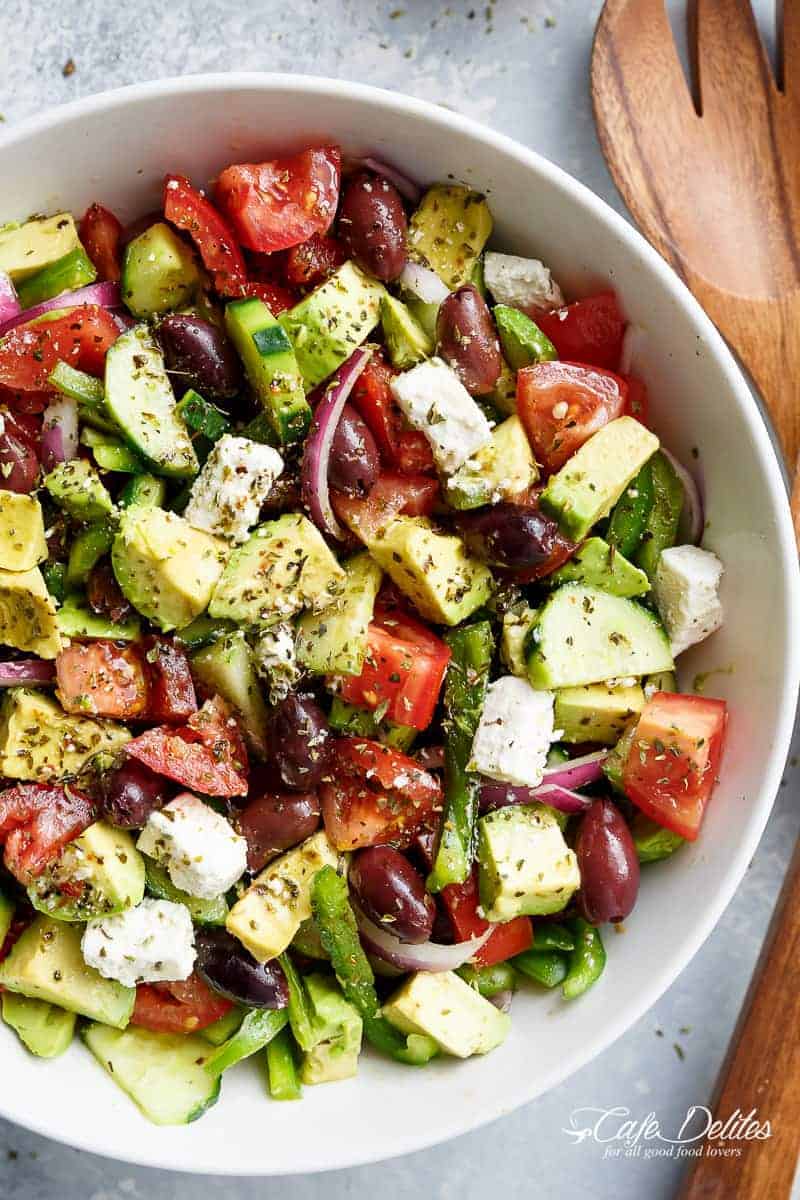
10,306
59,432
406,187
562,798
428,956
502,795
578,772
106,295
693,515
423,283
26,670
316,456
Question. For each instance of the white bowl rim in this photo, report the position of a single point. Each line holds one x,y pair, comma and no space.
599,210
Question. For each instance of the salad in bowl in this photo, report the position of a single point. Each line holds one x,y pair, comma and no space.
342,578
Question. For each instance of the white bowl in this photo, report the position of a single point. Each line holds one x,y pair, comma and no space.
115,148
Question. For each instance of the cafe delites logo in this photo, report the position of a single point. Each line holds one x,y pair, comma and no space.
623,1135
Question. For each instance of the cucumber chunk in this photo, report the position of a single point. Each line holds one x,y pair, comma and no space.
42,1028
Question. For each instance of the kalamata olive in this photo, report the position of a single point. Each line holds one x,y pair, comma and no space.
392,893
467,339
274,822
354,463
230,970
104,595
300,742
130,792
373,226
608,864
198,355
509,535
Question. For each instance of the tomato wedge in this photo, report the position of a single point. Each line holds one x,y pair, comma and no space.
461,902
19,458
80,337
674,759
36,822
406,450
310,263
100,232
376,796
588,331
392,494
171,695
181,1007
102,678
280,203
561,404
205,755
189,210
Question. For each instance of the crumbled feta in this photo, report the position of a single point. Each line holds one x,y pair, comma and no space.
202,852
515,733
153,941
275,659
435,401
236,479
520,282
686,591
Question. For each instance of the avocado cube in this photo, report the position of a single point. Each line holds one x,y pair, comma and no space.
602,566
334,641
159,272
596,712
22,540
28,613
502,468
41,1027
442,1006
107,865
449,231
524,864
40,742
337,1028
406,340
28,248
78,489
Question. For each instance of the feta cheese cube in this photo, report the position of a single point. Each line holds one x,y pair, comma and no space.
275,659
149,943
227,496
435,401
514,733
521,282
202,852
686,591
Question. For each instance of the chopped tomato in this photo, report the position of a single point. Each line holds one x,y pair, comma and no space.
25,403
181,1007
100,232
404,669
36,822
80,337
407,450
102,678
375,795
310,263
276,297
19,458
189,209
674,759
171,694
461,903
637,405
588,331
561,404
277,204
206,754
392,494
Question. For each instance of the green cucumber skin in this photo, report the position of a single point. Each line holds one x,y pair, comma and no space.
661,527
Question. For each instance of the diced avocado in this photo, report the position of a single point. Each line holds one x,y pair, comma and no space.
591,482
110,452
87,548
332,321
284,566
524,864
6,915
516,624
39,741
432,569
337,1027
271,367
602,566
334,641
148,490
614,765
355,721
521,338
74,270
166,569
272,910
582,635
99,873
163,1073
46,964
504,395
41,1027
652,841
28,248
225,668
440,1005
204,912
88,391
596,712
502,468
449,231
76,620
28,613
22,540
78,489
140,399
159,272
406,340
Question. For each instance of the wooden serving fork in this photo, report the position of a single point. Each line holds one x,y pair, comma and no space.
713,180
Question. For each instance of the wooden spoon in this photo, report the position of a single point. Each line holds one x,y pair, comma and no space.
715,186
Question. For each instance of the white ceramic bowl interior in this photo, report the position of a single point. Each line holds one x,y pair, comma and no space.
115,148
